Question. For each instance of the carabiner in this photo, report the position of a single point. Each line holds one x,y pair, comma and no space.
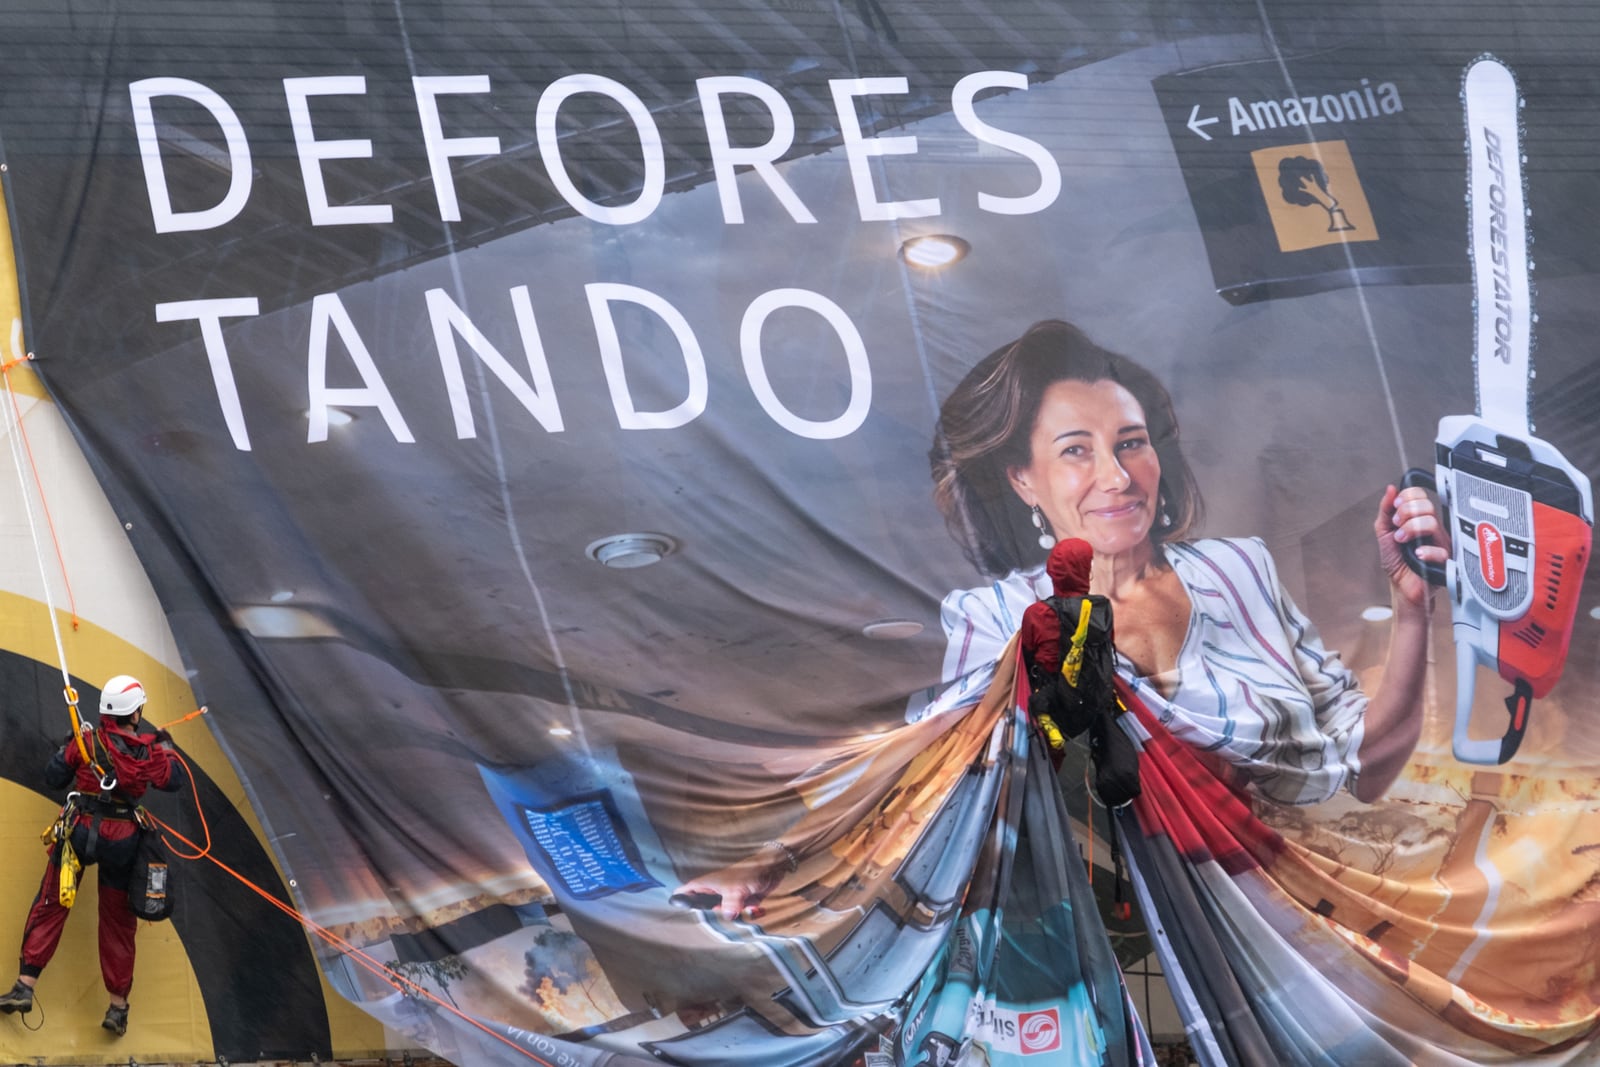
108,782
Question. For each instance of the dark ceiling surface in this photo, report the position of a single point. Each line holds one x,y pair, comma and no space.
66,106
69,132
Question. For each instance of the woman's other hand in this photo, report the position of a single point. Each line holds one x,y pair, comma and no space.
1408,516
740,887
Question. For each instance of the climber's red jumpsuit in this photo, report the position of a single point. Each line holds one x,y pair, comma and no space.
104,833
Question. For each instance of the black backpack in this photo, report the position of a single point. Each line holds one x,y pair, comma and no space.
1074,707
1091,704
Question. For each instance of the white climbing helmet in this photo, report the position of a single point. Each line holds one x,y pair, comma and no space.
122,695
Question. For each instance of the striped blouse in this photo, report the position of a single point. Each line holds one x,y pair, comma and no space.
1253,683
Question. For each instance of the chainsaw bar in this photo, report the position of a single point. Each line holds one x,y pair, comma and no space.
1498,213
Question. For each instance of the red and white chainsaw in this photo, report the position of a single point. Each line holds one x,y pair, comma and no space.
1520,516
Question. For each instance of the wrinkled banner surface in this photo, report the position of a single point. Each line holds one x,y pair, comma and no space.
404,335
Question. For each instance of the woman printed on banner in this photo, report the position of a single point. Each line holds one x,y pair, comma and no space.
1053,436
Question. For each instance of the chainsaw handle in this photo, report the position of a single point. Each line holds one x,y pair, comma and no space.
1432,573
1487,751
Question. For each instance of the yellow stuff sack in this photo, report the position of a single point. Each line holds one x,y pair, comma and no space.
1072,662
71,868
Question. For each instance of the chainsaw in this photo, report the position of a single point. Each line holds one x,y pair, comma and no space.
1520,517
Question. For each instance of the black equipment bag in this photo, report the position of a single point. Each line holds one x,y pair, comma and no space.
150,889
1091,704
1074,707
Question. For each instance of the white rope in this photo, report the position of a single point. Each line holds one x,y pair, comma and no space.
13,425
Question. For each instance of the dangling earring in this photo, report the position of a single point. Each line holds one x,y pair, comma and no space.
1165,517
1047,537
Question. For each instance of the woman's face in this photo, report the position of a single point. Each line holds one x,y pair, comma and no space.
1092,471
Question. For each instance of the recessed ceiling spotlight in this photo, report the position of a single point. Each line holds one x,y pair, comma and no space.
934,251
1377,613
338,417
1594,612
282,596
629,550
891,629
282,623
560,731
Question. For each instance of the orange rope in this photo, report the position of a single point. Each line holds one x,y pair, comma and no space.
27,445
205,826
195,714
399,982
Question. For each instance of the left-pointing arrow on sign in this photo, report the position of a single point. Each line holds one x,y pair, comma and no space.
1198,124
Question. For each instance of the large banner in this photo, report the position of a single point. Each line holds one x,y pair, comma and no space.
594,462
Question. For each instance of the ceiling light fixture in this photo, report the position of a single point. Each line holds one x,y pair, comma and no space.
275,622
934,251
891,629
1377,613
629,550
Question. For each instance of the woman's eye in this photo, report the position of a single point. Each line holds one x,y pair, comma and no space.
1073,450
1132,442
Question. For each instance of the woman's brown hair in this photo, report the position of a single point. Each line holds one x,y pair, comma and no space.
985,426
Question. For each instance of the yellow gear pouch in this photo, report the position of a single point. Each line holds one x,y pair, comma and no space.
71,869
1072,662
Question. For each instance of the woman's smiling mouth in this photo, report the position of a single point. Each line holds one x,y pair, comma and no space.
1118,511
